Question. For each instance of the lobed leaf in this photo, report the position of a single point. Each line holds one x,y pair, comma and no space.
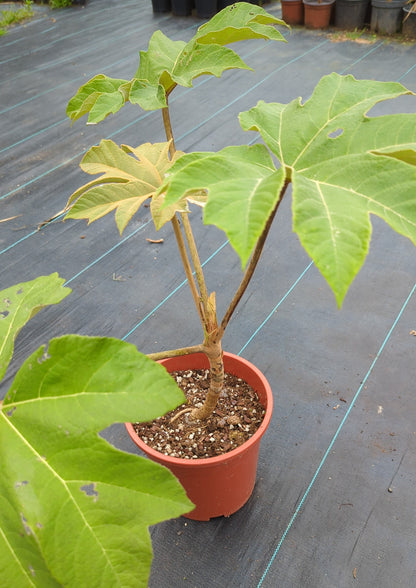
19,303
130,176
239,22
74,510
344,166
99,97
159,60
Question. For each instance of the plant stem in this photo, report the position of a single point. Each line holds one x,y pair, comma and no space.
176,352
216,381
201,297
195,259
204,302
188,269
168,129
251,267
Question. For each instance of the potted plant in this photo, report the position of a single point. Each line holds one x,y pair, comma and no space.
343,166
318,13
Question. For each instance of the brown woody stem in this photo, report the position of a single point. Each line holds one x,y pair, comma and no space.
216,365
176,352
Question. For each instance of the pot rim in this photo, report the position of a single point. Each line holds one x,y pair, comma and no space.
210,461
318,2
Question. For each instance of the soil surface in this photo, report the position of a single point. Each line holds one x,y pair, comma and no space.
236,418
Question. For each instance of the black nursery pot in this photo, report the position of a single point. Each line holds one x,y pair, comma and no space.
182,7
409,22
386,16
161,6
351,14
206,8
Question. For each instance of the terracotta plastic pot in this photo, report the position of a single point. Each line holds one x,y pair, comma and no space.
218,486
318,13
292,11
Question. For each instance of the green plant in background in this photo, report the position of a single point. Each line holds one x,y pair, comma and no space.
74,511
11,17
342,164
60,3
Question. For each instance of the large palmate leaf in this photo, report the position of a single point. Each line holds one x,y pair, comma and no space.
19,303
168,63
74,511
129,177
332,151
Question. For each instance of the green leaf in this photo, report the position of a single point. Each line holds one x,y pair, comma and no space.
99,97
74,510
147,96
197,60
19,303
344,167
159,60
240,22
129,177
243,187
167,63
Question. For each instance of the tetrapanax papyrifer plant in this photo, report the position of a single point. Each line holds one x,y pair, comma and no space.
343,166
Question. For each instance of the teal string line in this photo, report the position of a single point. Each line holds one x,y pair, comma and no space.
275,308
309,488
87,267
149,314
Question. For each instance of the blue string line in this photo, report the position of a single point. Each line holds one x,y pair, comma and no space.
87,267
275,308
295,514
406,73
19,241
149,314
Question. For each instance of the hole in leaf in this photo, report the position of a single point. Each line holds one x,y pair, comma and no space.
90,490
20,291
24,483
10,412
337,133
25,525
4,313
44,357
